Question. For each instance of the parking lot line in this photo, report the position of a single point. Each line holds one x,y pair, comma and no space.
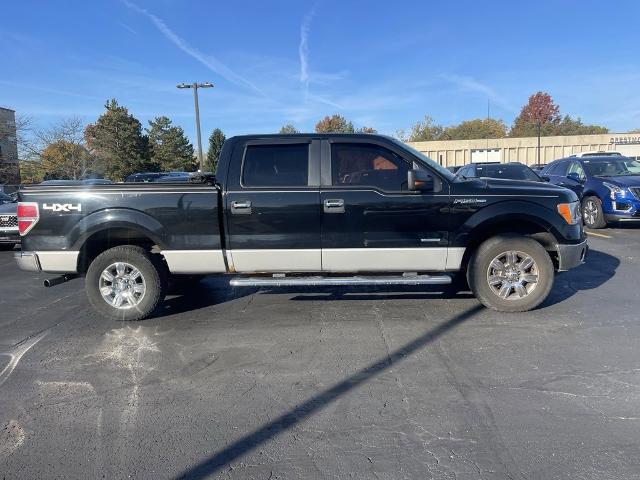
598,234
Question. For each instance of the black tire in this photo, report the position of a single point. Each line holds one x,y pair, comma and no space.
534,292
7,246
154,278
592,213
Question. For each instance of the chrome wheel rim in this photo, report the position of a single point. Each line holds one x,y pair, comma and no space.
512,275
122,285
590,212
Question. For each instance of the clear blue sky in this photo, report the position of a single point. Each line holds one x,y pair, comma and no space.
379,63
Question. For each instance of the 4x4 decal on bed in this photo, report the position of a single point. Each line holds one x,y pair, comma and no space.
62,207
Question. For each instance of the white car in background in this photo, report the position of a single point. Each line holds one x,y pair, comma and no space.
596,153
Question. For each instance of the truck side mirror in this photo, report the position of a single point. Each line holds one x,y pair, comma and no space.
546,178
421,181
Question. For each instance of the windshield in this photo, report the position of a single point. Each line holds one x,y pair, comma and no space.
511,172
618,167
431,163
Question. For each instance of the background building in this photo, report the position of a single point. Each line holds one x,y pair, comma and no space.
525,150
9,169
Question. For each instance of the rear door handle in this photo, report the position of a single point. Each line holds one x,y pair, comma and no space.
334,206
241,207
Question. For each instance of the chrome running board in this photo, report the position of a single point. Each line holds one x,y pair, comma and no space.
318,281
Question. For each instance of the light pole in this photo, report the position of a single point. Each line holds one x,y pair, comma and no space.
195,87
539,131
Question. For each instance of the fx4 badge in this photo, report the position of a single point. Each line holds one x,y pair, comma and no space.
62,207
466,201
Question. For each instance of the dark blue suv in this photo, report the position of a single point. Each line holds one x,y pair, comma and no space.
608,186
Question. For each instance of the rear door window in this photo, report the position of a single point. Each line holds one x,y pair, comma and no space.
276,166
559,169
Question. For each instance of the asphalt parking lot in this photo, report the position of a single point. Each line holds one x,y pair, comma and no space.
355,383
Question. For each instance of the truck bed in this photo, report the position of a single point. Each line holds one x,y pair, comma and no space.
171,216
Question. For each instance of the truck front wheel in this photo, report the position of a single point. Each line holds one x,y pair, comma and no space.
125,283
511,274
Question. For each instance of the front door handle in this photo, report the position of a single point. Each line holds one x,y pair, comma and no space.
241,208
334,206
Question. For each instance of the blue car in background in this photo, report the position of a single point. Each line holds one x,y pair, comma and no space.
608,186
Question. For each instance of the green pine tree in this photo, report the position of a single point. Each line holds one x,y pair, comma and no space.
117,139
169,147
216,140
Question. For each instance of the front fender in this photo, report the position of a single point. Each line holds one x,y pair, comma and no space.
512,212
116,218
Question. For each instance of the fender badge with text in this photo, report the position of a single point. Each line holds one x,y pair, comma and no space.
466,201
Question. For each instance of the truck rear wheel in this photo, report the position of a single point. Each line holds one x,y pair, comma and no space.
511,274
125,283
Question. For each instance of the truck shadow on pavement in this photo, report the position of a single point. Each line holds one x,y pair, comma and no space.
214,290
598,269
300,413
407,292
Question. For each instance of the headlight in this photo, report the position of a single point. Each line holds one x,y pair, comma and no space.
570,212
613,190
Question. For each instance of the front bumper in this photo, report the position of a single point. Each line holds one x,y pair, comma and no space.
622,217
622,209
571,255
27,261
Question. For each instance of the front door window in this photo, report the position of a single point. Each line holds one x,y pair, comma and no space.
367,165
577,168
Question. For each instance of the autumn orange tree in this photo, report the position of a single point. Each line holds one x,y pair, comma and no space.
334,124
63,153
543,113
65,160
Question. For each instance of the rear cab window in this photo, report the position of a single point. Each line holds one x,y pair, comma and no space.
279,165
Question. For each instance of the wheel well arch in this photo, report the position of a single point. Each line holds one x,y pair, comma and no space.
590,193
107,238
527,227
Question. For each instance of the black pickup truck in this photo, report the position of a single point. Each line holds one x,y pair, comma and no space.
316,209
